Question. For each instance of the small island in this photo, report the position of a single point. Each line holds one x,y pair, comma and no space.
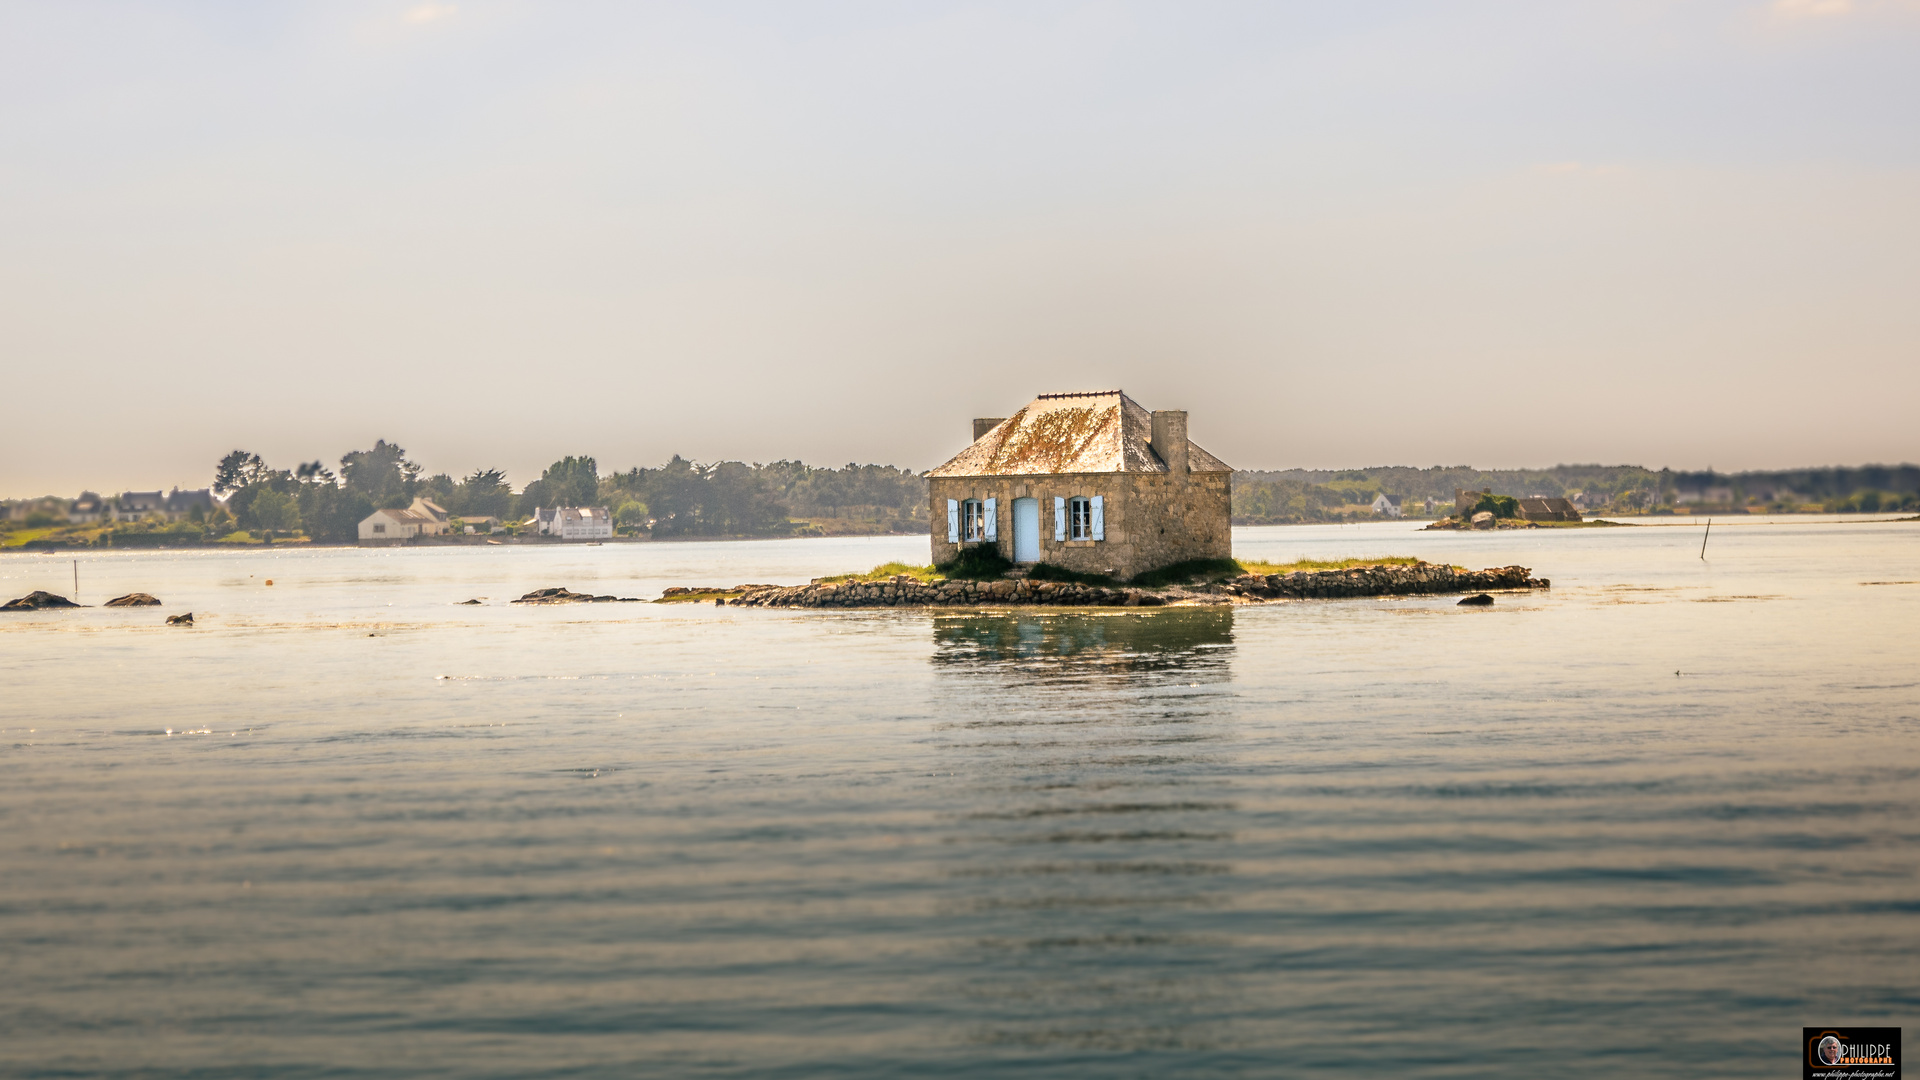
980,583
1482,510
1094,500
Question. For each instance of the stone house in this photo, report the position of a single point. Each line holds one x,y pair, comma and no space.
182,504
138,505
423,518
1092,483
87,509
1465,499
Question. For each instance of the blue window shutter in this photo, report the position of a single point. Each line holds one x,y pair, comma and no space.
993,521
1059,517
1099,517
953,521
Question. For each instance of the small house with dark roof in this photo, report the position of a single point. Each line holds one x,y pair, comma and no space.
171,505
1092,483
87,509
1548,509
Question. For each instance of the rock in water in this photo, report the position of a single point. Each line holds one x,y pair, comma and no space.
465,602
180,620
1483,520
36,600
567,596
1477,600
133,599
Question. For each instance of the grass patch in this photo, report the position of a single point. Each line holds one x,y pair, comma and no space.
698,596
53,536
20,537
1254,566
886,571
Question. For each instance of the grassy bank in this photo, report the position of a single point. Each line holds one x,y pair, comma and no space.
106,537
887,571
1255,566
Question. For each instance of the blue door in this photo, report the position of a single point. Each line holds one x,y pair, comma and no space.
1026,530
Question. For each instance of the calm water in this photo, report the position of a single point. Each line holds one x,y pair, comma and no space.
1649,824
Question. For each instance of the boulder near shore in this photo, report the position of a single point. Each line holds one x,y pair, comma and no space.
36,600
133,599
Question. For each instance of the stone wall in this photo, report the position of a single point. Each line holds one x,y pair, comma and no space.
1152,519
1382,581
904,591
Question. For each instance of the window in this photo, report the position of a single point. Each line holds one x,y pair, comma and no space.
379,528
1079,518
973,520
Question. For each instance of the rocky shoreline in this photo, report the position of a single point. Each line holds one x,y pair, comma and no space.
905,591
1420,578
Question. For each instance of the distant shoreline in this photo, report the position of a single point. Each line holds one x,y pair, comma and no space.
1690,522
303,544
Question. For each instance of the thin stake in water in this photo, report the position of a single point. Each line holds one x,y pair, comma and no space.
1703,540
76,581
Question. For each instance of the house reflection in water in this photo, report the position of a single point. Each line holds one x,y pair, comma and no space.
1095,854
1176,644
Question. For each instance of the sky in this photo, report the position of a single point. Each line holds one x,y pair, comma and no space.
1513,234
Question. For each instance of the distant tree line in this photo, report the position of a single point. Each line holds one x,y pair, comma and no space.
680,498
1296,496
1867,488
684,498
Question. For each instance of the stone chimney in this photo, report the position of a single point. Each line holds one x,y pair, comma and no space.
984,424
1169,439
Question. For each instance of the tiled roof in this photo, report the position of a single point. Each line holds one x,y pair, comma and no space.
1072,433
407,514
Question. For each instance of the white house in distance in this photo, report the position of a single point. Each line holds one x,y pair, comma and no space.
423,518
573,522
1387,505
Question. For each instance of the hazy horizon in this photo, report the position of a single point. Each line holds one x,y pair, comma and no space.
606,468
498,234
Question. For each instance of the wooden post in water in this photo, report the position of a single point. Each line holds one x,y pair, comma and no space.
1703,540
76,581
